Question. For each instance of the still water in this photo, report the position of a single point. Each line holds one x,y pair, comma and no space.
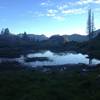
59,58
55,58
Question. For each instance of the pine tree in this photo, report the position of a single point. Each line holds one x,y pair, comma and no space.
5,31
90,24
90,29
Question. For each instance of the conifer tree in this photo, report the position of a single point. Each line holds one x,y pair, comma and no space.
90,24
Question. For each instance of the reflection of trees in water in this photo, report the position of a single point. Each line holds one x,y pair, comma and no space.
90,61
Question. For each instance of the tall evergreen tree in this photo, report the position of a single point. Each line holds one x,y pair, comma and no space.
2,31
5,31
90,24
93,27
25,36
90,29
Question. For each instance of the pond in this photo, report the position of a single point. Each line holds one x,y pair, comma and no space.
55,58
59,58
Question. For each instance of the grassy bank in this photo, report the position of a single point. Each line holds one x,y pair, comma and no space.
53,85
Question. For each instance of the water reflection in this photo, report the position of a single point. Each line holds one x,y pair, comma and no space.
62,58
56,58
90,61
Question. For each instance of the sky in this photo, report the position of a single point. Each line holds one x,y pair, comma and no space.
48,17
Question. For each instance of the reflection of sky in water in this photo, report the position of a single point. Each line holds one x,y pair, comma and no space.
61,58
46,54
56,58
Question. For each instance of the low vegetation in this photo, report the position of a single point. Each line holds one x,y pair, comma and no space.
11,66
31,84
66,82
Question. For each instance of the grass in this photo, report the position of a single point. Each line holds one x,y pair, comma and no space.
11,66
54,85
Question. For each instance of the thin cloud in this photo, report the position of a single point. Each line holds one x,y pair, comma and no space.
51,12
60,10
97,1
61,7
83,2
74,11
54,14
44,4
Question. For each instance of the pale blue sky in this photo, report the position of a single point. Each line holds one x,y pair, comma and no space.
47,17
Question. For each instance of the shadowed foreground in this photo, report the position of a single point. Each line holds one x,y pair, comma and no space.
30,84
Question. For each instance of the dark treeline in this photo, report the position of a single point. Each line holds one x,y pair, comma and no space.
8,40
14,45
11,44
23,41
